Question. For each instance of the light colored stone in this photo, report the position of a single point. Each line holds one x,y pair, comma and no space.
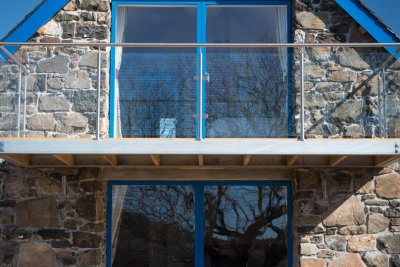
367,188
395,221
314,100
394,128
72,119
354,131
349,57
315,72
78,79
47,187
388,185
349,111
52,28
309,20
8,122
42,122
351,212
312,262
361,243
376,259
347,260
57,64
36,254
7,102
342,76
90,59
308,249
377,223
55,83
53,103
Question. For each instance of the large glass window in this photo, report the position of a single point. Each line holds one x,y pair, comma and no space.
199,224
245,90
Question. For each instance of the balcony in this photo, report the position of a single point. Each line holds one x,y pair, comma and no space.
206,106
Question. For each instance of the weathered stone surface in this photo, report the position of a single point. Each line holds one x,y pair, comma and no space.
57,64
349,111
93,227
78,79
7,102
8,122
352,230
53,103
86,240
55,83
308,249
376,202
71,122
354,131
36,254
349,213
342,76
89,59
313,100
337,243
95,5
90,30
88,207
347,260
395,221
68,29
395,261
376,259
8,251
39,212
314,72
85,101
47,187
388,185
377,223
361,244
366,188
90,257
394,128
389,244
53,233
392,213
52,28
41,122
309,20
349,57
312,262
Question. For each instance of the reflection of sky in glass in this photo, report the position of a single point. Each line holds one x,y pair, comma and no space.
387,11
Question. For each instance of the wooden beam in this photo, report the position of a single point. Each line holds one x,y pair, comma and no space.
156,160
201,174
335,160
381,161
111,159
291,160
17,159
68,160
246,160
200,159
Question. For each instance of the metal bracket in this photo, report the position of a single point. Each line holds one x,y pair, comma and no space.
196,116
2,146
206,77
396,148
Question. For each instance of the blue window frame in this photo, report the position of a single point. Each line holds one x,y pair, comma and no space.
212,217
228,112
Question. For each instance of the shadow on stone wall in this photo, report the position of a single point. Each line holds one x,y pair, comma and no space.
347,217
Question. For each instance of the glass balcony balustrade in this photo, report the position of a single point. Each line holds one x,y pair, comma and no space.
199,91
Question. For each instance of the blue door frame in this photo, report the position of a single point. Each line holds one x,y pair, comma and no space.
199,211
201,38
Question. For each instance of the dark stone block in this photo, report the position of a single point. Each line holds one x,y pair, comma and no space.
60,243
7,203
395,261
86,240
392,213
68,29
53,233
389,244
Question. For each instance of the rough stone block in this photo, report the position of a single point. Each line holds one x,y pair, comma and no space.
53,103
349,57
85,101
349,111
41,122
346,260
377,223
57,64
308,249
39,212
312,262
352,230
389,244
78,79
86,240
361,244
36,254
8,122
337,243
309,20
376,259
388,185
351,212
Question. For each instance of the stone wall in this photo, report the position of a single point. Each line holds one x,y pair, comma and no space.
347,217
61,96
341,84
52,217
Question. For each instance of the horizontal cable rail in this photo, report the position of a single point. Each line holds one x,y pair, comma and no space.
206,45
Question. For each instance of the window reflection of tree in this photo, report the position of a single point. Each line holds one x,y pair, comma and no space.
247,96
157,86
245,226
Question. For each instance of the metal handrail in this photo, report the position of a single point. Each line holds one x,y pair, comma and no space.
207,45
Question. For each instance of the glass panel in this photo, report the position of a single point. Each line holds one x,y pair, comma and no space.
154,225
248,89
245,226
155,86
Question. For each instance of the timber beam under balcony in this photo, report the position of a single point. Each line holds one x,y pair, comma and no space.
210,153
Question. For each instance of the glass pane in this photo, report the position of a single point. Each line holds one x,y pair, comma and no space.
155,86
245,226
248,89
154,225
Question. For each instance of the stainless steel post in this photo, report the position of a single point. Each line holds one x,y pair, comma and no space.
200,103
25,93
302,94
98,94
384,92
19,102
380,113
